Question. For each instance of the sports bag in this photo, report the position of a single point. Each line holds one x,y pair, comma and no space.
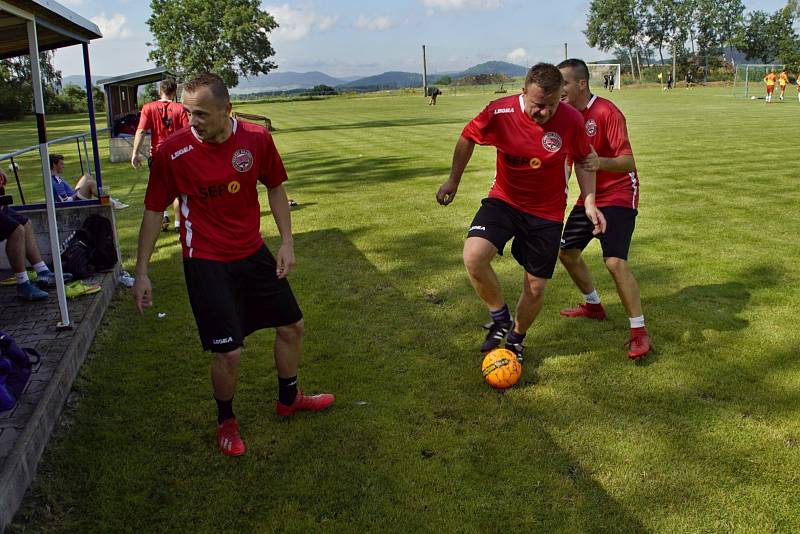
102,251
15,370
76,257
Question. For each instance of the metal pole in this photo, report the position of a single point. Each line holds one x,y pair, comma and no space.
566,53
41,128
80,157
86,155
16,177
424,73
92,126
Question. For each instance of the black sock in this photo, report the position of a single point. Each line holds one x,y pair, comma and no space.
515,338
287,390
224,410
502,315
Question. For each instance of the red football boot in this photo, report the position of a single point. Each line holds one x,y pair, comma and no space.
639,344
584,309
228,438
312,403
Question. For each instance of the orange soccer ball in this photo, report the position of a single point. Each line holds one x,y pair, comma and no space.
501,370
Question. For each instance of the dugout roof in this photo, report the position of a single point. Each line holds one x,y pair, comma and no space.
56,26
141,77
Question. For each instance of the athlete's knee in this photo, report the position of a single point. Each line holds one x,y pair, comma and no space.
534,286
569,256
616,266
17,235
230,358
476,258
291,333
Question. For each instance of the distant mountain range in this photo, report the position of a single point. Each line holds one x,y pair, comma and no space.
294,81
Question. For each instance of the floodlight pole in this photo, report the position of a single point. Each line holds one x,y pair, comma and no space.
566,53
41,127
424,73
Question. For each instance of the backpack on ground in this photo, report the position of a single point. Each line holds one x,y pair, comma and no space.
103,251
76,256
15,369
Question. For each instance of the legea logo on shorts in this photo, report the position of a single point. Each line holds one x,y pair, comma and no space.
222,341
551,142
591,128
242,160
481,228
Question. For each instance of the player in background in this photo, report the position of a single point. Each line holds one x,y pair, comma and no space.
617,197
783,80
534,135
163,118
235,285
769,79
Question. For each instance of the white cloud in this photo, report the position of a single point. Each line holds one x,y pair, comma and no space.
376,24
518,54
456,5
296,23
113,27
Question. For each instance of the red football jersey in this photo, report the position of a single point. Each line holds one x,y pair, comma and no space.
532,171
608,134
216,186
162,118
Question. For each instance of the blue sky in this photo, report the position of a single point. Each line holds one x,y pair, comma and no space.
351,38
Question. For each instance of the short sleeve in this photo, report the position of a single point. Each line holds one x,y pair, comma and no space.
271,171
144,119
480,129
580,141
161,187
617,134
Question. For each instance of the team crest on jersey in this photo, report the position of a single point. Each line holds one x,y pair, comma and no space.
242,160
551,142
591,128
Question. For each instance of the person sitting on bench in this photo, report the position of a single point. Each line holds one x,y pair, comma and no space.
17,231
85,189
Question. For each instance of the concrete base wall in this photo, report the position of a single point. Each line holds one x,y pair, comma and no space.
121,148
68,220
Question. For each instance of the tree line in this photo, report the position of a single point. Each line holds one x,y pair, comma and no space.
16,89
691,31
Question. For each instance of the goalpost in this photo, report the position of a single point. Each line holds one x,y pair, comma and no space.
748,79
598,70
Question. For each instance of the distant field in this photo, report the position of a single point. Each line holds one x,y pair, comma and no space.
702,436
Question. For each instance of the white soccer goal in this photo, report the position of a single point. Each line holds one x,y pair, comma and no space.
597,71
749,78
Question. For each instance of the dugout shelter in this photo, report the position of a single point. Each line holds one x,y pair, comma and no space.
123,109
28,28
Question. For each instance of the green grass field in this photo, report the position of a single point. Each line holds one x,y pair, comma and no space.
702,436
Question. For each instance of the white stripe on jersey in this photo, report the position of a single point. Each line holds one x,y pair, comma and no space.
186,222
635,188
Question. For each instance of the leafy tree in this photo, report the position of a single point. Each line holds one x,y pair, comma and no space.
662,25
322,89
614,24
444,80
781,27
16,87
99,99
756,40
227,37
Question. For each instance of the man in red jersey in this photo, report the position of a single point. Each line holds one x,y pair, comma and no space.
162,118
617,198
235,285
534,136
